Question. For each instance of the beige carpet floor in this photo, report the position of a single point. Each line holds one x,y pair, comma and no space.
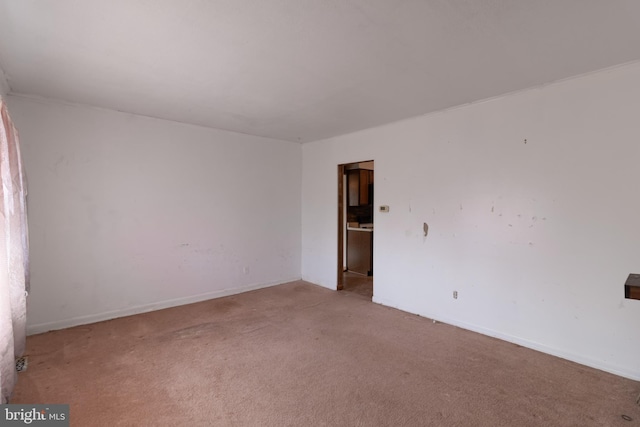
301,355
358,284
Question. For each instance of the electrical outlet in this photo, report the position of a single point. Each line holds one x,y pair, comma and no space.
455,294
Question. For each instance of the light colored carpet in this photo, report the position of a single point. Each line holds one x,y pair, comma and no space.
301,355
358,284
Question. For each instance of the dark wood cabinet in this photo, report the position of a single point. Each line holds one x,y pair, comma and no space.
360,187
360,251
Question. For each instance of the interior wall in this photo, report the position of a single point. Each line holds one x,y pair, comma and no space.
129,213
532,204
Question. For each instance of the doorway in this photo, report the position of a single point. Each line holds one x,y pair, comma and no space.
356,228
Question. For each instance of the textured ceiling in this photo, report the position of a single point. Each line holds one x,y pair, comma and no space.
303,70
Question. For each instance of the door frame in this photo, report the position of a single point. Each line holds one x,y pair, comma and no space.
341,220
341,227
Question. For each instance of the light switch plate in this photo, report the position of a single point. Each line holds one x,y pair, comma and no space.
384,208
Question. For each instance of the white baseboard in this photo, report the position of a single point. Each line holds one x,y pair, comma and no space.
597,364
108,315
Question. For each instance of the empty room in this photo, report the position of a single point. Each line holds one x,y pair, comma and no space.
320,212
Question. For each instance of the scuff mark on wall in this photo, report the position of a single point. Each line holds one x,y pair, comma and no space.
59,162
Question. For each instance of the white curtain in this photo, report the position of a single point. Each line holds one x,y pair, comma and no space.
14,254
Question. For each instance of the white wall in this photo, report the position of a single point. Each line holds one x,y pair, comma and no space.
537,238
129,213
